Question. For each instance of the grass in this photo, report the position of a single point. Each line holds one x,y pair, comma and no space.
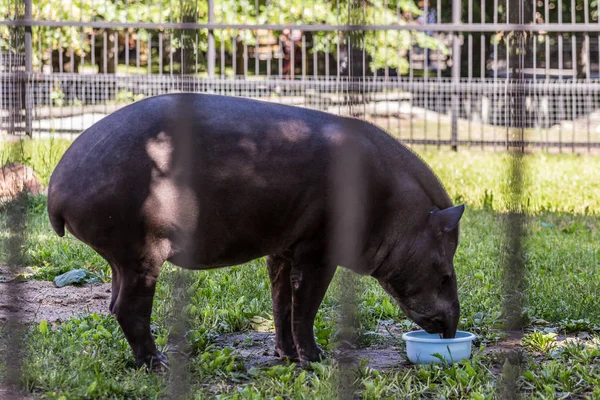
89,357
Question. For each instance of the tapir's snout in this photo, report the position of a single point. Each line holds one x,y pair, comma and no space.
445,326
439,316
444,323
449,330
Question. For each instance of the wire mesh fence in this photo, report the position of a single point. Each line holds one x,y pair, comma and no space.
557,114
434,72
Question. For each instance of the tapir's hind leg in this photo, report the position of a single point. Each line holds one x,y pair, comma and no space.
133,308
281,292
309,284
116,286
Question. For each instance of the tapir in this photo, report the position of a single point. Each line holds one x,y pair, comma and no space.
207,181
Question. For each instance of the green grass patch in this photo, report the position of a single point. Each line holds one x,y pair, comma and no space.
89,357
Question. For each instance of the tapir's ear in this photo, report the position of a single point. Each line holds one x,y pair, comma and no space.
446,220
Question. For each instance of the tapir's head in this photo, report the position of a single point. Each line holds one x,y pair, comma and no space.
420,273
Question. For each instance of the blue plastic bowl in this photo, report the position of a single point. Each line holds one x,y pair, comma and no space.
422,347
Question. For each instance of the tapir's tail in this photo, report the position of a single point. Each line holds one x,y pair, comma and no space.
58,224
56,219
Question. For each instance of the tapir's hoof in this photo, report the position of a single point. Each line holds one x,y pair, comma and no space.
156,363
313,355
291,355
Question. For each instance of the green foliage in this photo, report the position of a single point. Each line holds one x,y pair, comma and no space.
386,48
216,362
569,371
85,357
125,96
540,341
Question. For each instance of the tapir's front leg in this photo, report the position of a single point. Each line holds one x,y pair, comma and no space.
309,284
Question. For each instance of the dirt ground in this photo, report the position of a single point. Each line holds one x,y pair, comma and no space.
256,351
11,394
33,301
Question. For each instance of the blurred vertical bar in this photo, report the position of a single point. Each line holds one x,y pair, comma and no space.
15,219
348,181
456,18
513,248
515,223
179,284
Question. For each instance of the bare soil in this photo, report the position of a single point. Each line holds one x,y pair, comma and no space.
33,301
256,349
7,393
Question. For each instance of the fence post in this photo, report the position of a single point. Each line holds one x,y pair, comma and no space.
211,55
28,67
456,17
